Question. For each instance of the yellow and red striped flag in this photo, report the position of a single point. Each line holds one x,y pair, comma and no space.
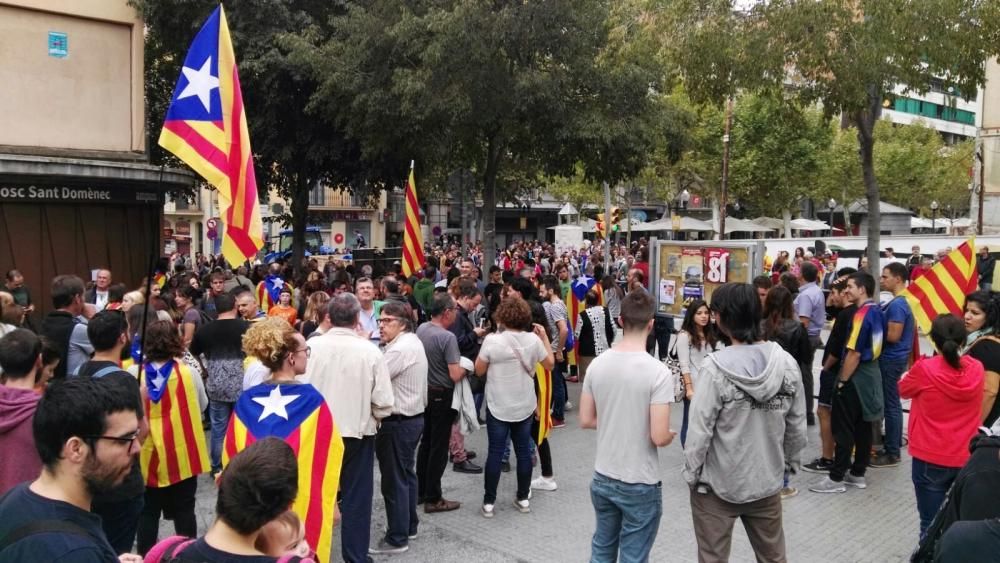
206,127
413,238
175,448
943,289
543,378
576,304
297,414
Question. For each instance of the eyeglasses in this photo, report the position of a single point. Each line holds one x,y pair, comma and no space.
307,350
120,439
384,320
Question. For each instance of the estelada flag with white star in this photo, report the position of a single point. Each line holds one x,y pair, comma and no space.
576,303
206,127
297,414
175,448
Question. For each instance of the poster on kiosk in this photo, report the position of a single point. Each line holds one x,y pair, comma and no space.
684,271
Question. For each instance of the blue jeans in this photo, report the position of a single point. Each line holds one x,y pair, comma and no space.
930,483
628,515
218,414
357,483
559,392
891,372
396,450
496,434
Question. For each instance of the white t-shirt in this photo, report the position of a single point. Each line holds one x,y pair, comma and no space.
624,385
510,388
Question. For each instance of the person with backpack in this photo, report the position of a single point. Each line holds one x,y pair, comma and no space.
86,433
257,487
120,508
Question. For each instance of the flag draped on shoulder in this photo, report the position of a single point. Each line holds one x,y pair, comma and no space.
576,304
943,289
413,238
543,381
206,127
175,448
297,414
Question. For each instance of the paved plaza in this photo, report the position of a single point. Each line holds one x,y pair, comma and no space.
881,521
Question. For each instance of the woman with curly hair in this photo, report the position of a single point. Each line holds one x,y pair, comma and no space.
174,453
283,351
508,360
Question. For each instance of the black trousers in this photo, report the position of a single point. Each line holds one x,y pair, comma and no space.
850,431
544,451
176,502
432,456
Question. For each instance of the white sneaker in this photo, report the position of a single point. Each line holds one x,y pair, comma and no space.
544,484
487,511
522,506
568,407
857,482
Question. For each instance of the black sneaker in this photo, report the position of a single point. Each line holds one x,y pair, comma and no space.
884,460
818,465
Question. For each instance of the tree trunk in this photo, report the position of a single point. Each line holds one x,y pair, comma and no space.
865,121
493,152
300,218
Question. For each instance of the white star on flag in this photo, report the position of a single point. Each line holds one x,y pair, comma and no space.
158,381
583,280
275,404
200,83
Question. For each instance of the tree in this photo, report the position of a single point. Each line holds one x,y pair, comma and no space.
528,85
776,151
295,149
846,55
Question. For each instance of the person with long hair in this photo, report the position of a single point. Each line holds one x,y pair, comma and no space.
696,340
779,267
982,322
315,311
946,392
174,400
184,299
508,360
781,326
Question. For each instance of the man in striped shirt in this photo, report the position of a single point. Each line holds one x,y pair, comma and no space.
397,437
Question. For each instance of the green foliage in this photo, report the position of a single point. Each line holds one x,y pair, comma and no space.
507,89
775,154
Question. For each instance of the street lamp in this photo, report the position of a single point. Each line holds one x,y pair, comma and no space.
830,204
934,208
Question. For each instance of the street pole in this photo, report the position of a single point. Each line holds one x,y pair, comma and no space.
981,187
607,234
725,169
628,233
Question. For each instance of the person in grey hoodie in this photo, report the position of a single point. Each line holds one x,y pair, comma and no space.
747,426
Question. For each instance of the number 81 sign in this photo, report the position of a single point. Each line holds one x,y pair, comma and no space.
716,265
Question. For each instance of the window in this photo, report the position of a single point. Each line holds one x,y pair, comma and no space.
317,195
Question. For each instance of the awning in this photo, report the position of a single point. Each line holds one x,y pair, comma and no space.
667,224
809,225
770,222
734,225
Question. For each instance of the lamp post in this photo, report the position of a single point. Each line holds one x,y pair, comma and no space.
934,208
830,204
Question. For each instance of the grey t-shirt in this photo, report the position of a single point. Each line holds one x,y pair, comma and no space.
441,348
510,385
624,385
555,311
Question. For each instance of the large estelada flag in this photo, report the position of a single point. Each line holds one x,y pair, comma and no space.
297,414
175,448
206,127
543,396
413,239
943,289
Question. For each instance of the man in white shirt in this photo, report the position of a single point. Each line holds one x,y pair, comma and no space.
351,374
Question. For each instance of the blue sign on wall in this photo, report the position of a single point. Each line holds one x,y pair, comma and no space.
58,44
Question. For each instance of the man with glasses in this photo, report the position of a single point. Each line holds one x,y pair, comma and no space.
87,435
120,508
443,371
396,441
368,315
351,374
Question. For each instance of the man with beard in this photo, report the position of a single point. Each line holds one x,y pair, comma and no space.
86,432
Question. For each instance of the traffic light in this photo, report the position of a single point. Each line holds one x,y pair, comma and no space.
600,228
616,217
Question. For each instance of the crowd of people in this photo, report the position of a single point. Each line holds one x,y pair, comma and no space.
105,401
